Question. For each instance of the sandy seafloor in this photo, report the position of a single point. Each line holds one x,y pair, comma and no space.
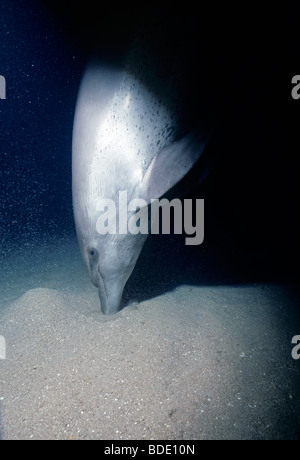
185,361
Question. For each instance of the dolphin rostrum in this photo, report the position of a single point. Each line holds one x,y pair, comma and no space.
129,137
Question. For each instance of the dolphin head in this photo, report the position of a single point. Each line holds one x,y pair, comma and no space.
110,260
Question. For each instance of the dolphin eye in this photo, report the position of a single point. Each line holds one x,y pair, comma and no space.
92,252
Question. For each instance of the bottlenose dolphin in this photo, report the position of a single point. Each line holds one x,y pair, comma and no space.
128,135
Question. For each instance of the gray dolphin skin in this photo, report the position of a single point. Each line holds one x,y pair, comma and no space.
126,137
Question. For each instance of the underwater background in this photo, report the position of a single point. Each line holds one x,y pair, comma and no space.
240,285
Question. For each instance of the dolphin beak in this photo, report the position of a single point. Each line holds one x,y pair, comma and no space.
110,294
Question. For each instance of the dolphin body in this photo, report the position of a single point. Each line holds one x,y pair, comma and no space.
130,135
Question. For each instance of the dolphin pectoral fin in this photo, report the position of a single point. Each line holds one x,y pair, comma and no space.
172,163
